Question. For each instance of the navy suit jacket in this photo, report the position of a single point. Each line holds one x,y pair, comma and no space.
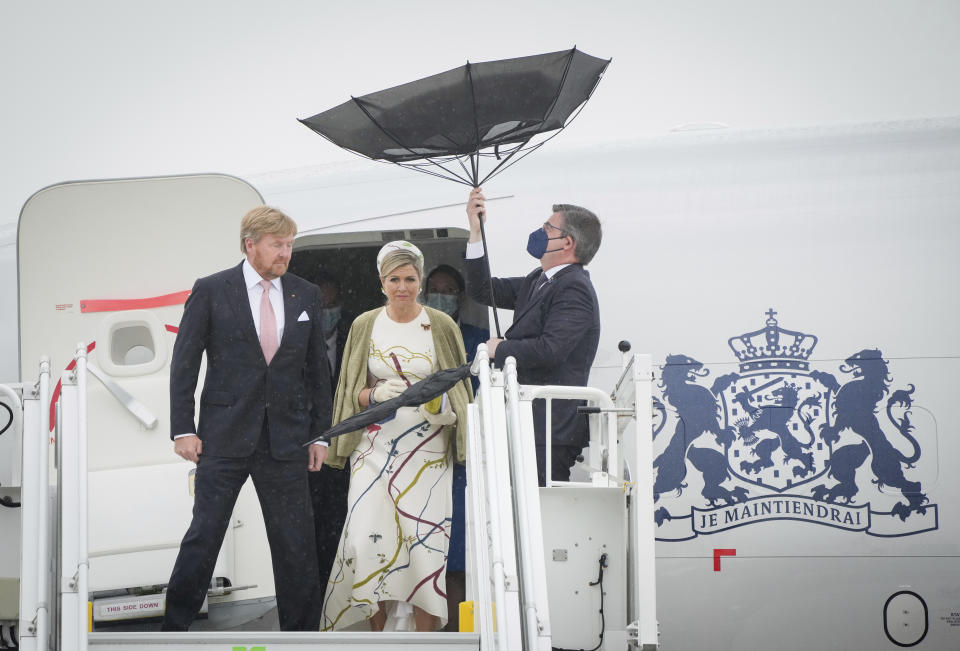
239,389
554,336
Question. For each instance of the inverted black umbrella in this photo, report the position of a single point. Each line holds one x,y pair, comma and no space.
423,391
479,115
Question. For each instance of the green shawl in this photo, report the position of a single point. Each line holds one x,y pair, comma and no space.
448,344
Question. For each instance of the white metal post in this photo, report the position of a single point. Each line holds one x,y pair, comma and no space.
73,507
43,511
645,543
29,513
526,493
481,361
477,502
479,534
548,442
83,562
69,512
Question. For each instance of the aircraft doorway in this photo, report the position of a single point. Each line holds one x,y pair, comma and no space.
349,260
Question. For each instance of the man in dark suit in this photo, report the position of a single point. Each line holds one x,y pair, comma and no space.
266,393
556,322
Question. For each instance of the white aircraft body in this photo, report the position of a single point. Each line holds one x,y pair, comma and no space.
795,288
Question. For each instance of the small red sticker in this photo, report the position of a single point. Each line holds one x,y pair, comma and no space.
717,553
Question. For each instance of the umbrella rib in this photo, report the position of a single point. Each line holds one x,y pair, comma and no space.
499,168
503,162
390,135
553,135
333,142
563,79
537,146
464,167
475,164
442,164
416,168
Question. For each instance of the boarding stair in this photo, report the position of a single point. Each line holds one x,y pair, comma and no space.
533,554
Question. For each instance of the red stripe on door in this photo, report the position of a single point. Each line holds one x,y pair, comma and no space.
118,305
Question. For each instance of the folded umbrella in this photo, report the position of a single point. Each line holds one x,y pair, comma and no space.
423,391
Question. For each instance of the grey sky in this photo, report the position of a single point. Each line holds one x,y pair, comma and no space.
116,88
122,88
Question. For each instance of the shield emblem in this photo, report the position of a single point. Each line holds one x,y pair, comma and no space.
776,418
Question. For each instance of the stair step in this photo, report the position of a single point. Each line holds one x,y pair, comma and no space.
273,641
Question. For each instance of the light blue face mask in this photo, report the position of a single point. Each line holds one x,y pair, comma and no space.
329,318
449,303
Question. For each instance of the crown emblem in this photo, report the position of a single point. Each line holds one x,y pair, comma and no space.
773,347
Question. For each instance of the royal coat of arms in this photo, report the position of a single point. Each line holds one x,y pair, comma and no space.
779,440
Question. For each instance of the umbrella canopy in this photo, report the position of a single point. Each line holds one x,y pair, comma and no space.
423,391
447,123
454,124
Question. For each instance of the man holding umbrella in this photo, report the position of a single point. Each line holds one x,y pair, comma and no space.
556,323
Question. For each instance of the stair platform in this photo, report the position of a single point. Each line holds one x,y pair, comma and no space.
276,641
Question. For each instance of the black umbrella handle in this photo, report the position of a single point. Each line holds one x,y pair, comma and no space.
486,256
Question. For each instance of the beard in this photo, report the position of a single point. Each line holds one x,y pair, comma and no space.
267,269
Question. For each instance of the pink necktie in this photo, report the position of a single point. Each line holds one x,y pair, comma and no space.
268,323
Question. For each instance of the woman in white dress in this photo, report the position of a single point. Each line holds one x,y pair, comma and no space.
393,550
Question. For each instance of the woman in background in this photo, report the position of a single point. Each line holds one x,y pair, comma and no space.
445,292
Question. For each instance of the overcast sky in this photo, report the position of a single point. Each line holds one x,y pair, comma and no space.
124,88
119,88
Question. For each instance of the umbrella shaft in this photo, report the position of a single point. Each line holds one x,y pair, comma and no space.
493,300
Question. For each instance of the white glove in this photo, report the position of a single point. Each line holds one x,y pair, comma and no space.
388,389
445,417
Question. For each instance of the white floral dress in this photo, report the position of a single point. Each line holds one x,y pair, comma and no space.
394,542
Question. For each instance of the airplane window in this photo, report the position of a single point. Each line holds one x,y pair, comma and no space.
132,345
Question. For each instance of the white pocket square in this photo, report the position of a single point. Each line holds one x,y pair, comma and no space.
303,316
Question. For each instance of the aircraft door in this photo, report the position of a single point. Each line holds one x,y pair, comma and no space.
110,264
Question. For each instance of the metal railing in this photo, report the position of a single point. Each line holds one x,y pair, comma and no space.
507,556
489,481
74,560
495,431
509,561
526,500
32,418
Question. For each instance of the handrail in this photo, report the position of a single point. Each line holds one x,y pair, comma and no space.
562,392
35,495
43,503
139,410
497,563
83,561
477,489
527,503
479,559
